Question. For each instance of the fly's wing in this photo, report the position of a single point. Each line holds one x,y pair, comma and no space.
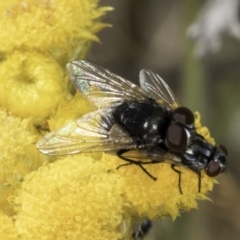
156,88
102,87
152,155
94,132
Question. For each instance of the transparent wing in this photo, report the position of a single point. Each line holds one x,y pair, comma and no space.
156,88
102,87
94,132
152,155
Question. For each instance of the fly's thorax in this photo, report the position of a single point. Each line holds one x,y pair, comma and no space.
197,155
145,120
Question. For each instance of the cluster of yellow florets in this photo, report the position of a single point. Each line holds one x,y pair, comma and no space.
72,197
63,29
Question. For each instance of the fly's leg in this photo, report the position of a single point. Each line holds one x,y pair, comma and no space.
199,181
149,174
179,177
130,162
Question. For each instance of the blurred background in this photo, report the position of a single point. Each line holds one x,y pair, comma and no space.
195,47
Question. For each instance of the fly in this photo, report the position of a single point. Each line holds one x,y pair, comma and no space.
137,124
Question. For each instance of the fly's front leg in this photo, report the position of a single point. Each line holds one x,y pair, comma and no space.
179,177
199,181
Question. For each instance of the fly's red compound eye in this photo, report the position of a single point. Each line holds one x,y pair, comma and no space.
176,138
225,151
213,169
183,115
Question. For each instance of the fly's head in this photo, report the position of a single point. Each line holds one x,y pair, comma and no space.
218,162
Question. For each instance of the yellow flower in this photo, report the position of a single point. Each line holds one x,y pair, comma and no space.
7,230
79,196
73,107
19,156
141,197
160,198
31,85
202,130
62,28
37,39
74,198
154,199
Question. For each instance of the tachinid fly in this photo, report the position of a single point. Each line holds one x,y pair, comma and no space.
137,124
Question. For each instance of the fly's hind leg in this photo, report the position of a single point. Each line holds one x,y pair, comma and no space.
130,162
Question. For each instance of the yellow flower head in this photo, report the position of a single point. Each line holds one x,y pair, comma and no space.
74,198
31,85
62,28
145,198
82,196
141,197
156,199
19,156
63,200
7,230
73,107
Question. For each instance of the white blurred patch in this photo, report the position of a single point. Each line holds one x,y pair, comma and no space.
216,19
